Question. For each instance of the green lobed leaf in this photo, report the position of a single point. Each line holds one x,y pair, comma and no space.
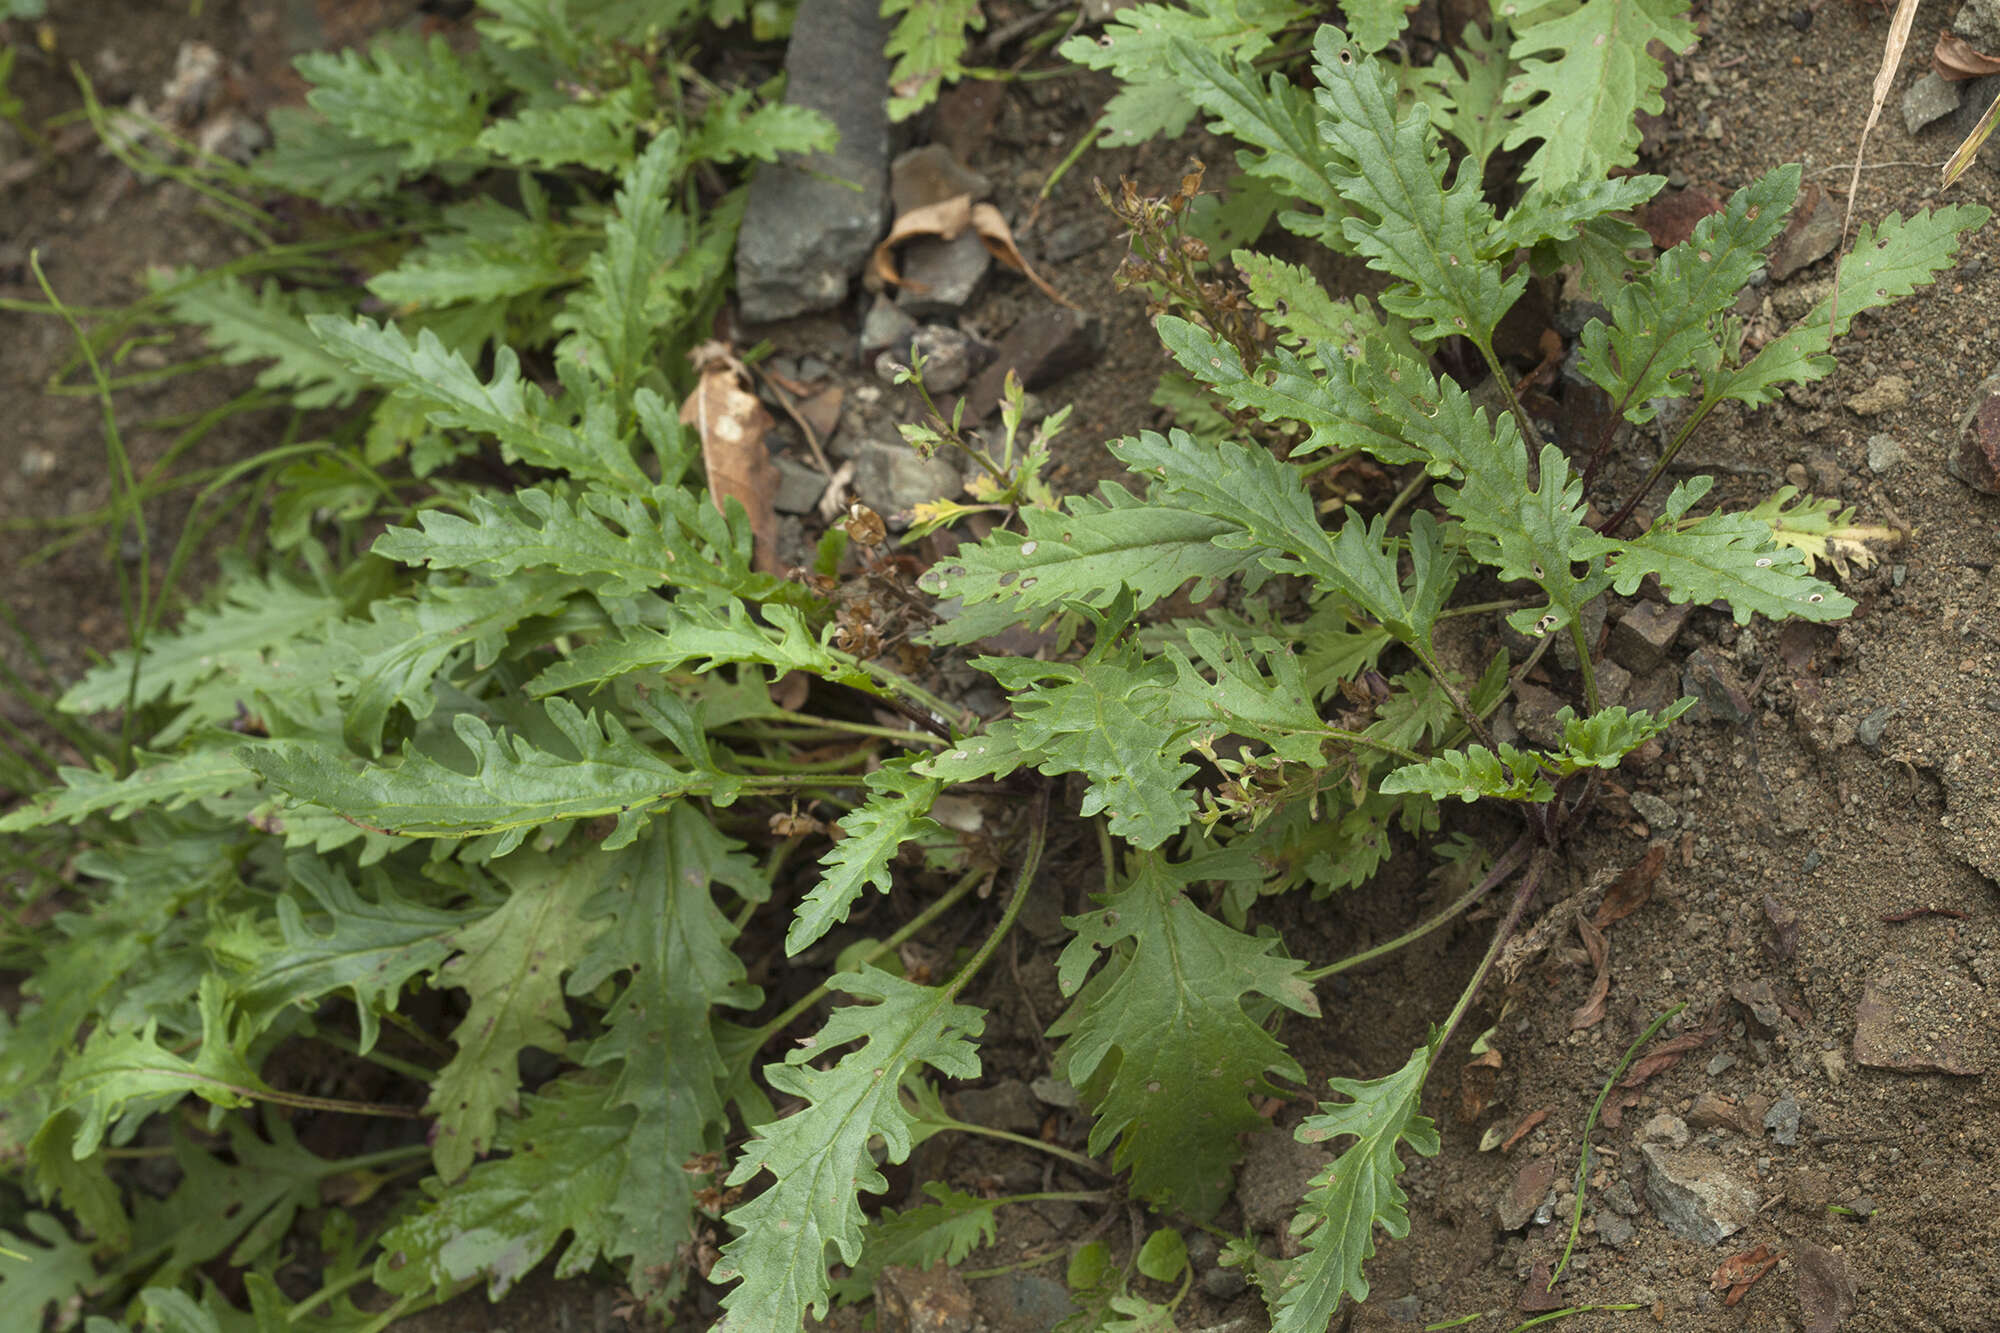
1475,771
819,1156
1660,323
615,322
559,1172
312,157
928,43
1465,89
267,323
733,130
1135,46
509,408
701,637
1731,558
669,936
1160,1041
485,252
1356,1193
510,963
1242,700
944,1231
513,786
1306,318
597,134
1389,166
166,783
1584,104
1608,735
897,811
41,1267
370,946
1108,717
1089,551
1887,262
243,1207
417,97
1275,121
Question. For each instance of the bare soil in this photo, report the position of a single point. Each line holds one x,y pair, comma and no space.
1796,841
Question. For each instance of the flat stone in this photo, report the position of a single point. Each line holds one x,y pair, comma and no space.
1712,679
886,325
1930,98
1885,454
1713,1111
1870,728
911,1300
1644,633
1918,1017
1224,1284
1034,1302
1614,1230
1884,395
1978,21
1056,1092
1007,1105
1592,619
1665,1127
1041,348
940,277
1526,1193
1783,1121
1657,813
1975,453
931,175
1696,1195
1535,711
807,228
799,486
893,478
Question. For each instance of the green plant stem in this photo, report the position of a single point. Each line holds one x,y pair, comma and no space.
1373,743
341,1041
1585,666
904,687
916,924
326,1293
1405,495
1031,861
1427,655
901,734
1590,1124
1529,431
138,611
1509,861
1530,881
1069,1155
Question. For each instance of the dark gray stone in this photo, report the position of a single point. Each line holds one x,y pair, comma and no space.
1929,98
1642,636
949,355
887,325
807,229
1035,1302
891,478
799,486
1041,349
1224,1284
1614,1230
1783,1120
1870,728
1716,683
940,277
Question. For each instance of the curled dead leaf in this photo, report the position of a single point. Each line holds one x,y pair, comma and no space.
1739,1272
732,425
945,220
1956,59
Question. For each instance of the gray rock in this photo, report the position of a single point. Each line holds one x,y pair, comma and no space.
807,229
1978,21
1783,1120
1885,395
1224,1284
799,486
1035,1302
1592,619
892,478
1713,680
1041,348
1618,1196
1870,728
1614,1230
1075,238
931,175
1885,454
1657,813
1642,636
1405,1309
887,325
949,356
1006,1105
1695,1194
1535,711
940,277
1666,1128
1929,99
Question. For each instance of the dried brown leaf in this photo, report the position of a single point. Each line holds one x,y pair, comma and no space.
945,220
732,425
1591,1012
1956,59
1632,889
1739,1272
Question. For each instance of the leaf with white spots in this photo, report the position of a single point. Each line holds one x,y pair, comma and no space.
1160,1040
